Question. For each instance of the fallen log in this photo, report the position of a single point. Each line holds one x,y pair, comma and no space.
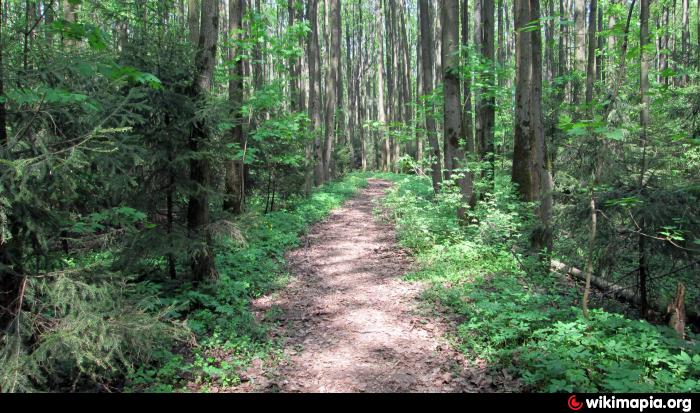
620,292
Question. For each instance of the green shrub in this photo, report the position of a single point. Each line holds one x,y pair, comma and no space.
517,318
219,313
81,330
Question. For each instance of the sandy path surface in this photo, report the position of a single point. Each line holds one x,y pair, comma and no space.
350,323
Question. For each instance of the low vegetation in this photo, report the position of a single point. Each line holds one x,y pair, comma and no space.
98,330
515,316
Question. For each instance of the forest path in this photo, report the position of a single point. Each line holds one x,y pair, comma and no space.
350,323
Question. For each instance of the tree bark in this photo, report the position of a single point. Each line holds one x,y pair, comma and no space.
579,43
487,109
589,258
479,80
198,207
685,38
467,191
542,236
427,53
383,140
530,170
450,66
193,14
501,55
404,53
331,86
521,172
590,65
235,182
315,91
599,62
643,125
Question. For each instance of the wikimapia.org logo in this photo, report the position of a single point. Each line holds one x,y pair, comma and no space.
605,402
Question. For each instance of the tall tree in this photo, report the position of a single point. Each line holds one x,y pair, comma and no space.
530,170
685,37
542,236
332,85
521,172
643,130
193,14
452,110
450,73
590,65
579,43
467,122
294,63
427,53
235,182
200,171
405,78
487,107
501,54
315,90
381,104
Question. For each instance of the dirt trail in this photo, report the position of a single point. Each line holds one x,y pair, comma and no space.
350,323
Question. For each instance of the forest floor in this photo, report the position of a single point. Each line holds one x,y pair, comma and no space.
348,321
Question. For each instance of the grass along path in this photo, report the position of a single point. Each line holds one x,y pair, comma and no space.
349,321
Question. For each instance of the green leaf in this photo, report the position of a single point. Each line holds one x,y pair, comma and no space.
615,134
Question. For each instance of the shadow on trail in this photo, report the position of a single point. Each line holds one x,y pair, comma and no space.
351,324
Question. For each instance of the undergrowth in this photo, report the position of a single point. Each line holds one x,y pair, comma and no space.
94,327
517,317
228,337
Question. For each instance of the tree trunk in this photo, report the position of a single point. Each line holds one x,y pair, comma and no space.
479,80
193,15
521,172
294,63
198,207
315,91
331,86
579,43
561,58
549,42
685,38
589,258
235,182
643,125
618,291
452,129
501,55
418,89
407,96
450,66
599,69
590,65
664,45
258,65
427,53
542,236
383,140
530,169
340,134
391,80
487,112
467,124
